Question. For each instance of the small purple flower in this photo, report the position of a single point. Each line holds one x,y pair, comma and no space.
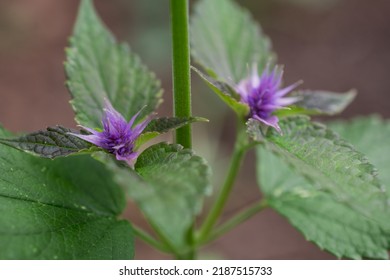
264,95
118,137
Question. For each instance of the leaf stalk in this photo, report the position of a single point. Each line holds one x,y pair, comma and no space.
239,218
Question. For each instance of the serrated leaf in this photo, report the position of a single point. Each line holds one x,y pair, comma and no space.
97,67
169,189
329,223
52,143
226,40
332,165
370,135
226,93
165,124
61,209
319,103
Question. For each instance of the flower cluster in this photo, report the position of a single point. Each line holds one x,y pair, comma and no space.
118,136
264,95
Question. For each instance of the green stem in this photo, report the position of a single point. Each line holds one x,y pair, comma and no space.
237,219
182,81
181,68
147,238
240,149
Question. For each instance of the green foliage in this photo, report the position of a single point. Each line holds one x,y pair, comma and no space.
68,208
61,209
165,124
370,135
57,141
226,93
98,67
337,202
52,143
329,223
319,103
170,188
162,125
320,155
226,41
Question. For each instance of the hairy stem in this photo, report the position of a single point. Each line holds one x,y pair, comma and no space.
181,68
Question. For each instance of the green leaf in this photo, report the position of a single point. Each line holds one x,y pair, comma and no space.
169,189
319,103
52,143
225,40
61,209
165,124
143,138
226,93
97,67
336,224
332,165
329,223
370,135
162,125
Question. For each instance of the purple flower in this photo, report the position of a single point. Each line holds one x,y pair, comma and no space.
264,95
118,136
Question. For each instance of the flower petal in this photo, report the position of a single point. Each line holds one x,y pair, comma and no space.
109,109
90,130
113,121
130,159
118,136
131,122
255,80
287,101
270,121
282,92
94,139
271,107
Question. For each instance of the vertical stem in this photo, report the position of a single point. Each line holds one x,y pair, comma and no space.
182,81
181,68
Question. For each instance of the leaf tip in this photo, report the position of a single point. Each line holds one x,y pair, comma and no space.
201,119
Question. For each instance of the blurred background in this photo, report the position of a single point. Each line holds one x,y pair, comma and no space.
331,44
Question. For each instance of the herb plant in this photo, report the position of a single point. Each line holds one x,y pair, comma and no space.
69,207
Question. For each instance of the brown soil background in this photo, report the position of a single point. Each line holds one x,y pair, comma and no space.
334,45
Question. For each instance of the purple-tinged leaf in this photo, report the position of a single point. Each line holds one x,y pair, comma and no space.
50,143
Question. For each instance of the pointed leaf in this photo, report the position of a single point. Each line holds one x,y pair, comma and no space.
54,142
97,67
226,93
169,189
165,124
61,209
332,165
226,40
319,103
329,223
